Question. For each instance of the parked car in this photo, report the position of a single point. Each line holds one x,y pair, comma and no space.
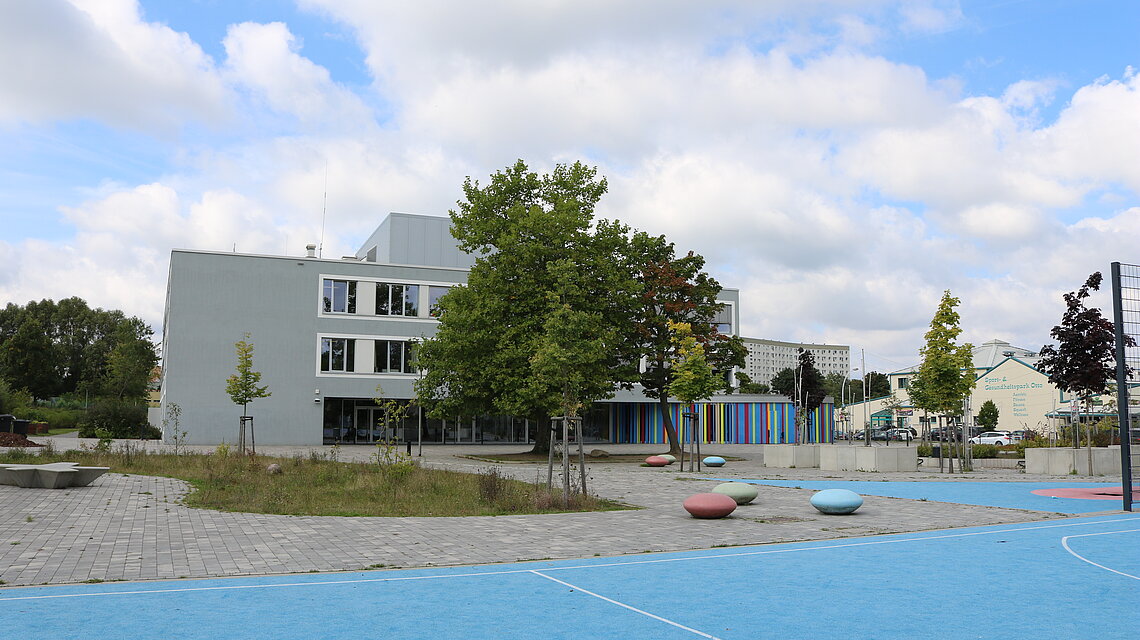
943,434
902,433
999,438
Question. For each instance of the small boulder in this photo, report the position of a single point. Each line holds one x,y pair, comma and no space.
713,461
273,469
656,461
599,453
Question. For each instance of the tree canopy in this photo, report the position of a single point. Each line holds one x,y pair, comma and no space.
243,386
988,415
676,290
803,386
559,308
946,375
1083,362
54,349
540,326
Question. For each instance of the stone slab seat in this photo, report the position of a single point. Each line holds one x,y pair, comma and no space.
55,475
86,475
50,477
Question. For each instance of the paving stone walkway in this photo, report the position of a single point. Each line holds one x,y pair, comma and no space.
135,527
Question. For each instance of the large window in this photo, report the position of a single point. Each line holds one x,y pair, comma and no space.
337,354
394,356
434,294
723,320
340,296
397,299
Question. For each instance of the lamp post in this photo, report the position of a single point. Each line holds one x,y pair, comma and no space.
866,423
844,401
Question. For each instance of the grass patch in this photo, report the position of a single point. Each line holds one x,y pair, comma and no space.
317,485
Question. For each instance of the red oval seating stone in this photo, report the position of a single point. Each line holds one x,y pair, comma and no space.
656,461
709,505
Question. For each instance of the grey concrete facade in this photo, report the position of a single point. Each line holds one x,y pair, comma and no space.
215,298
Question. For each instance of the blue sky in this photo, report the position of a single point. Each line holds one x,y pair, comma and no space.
840,162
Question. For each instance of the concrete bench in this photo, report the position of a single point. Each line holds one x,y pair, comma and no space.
55,475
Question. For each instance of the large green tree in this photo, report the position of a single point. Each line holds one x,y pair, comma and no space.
946,376
61,348
546,270
130,362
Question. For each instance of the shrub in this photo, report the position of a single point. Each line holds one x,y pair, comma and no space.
117,419
925,451
985,451
56,418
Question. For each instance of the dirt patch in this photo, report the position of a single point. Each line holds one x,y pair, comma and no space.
16,440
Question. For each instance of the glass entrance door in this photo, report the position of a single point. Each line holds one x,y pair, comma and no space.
371,426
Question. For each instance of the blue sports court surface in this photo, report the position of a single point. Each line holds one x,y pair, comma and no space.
1067,578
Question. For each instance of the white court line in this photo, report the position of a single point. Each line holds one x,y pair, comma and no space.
1065,543
624,605
579,566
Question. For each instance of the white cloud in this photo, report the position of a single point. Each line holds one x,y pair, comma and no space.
99,60
771,164
265,58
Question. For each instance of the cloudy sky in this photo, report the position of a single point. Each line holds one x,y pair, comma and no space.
841,162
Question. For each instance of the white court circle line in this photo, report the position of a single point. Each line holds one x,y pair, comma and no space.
624,605
475,574
1065,544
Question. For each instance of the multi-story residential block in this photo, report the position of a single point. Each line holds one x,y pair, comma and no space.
766,358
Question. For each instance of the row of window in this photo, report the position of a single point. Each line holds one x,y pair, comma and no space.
338,355
339,296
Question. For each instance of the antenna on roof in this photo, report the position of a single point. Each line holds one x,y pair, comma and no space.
324,206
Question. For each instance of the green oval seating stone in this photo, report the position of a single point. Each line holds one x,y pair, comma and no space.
741,492
670,457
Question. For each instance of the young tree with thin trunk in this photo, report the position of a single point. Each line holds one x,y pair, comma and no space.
242,386
946,374
1084,361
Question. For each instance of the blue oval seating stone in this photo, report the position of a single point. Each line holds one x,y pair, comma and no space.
836,501
713,461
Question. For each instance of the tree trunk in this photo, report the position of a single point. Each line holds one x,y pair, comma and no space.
667,423
541,435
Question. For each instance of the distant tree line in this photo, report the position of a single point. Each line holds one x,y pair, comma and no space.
67,349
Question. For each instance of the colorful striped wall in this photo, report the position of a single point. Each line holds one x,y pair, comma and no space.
720,422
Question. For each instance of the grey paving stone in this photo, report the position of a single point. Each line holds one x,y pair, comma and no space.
115,530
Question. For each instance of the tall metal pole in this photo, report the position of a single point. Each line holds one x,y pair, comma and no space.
1124,416
866,423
